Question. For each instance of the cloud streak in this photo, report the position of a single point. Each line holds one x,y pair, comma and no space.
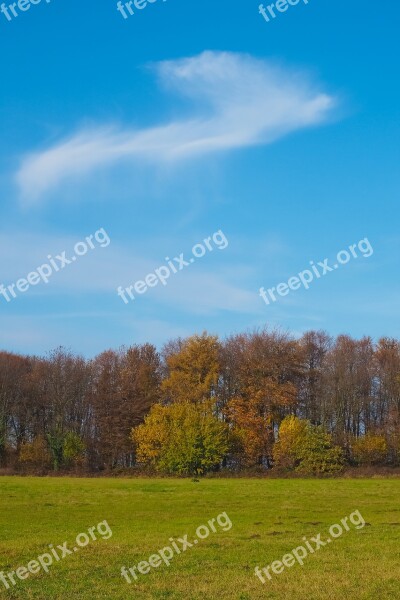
238,101
102,270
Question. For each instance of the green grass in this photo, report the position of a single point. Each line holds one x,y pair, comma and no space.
270,518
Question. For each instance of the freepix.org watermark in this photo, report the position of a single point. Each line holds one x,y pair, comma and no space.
163,273
44,561
178,546
54,264
128,9
311,546
281,6
14,9
306,277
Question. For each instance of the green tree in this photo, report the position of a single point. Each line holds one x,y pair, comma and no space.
306,448
181,439
73,449
55,440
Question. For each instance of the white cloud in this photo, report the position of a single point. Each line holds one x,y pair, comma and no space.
196,290
238,101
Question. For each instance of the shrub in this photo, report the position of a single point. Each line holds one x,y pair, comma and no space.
370,449
35,453
73,450
181,439
286,450
306,449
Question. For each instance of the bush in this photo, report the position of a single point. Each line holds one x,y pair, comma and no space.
370,449
35,453
73,450
181,439
286,450
306,449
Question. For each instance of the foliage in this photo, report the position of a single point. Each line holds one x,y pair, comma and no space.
262,368
73,449
35,453
251,381
251,432
369,449
306,448
193,371
182,439
292,433
55,440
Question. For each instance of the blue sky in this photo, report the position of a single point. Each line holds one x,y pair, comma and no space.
188,118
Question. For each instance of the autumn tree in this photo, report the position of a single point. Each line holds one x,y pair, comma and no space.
262,376
182,439
15,402
193,372
369,449
63,397
385,415
348,389
252,432
74,449
35,454
81,412
315,347
306,448
125,385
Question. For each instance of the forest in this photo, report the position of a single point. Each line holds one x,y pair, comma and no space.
257,401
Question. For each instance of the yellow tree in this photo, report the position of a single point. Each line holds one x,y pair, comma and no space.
193,371
183,438
306,448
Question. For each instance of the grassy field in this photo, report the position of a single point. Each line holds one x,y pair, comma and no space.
269,518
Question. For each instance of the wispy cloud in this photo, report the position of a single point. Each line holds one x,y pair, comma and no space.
196,292
238,101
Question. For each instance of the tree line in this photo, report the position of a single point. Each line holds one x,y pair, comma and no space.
256,400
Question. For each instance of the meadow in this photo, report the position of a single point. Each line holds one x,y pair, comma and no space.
269,518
